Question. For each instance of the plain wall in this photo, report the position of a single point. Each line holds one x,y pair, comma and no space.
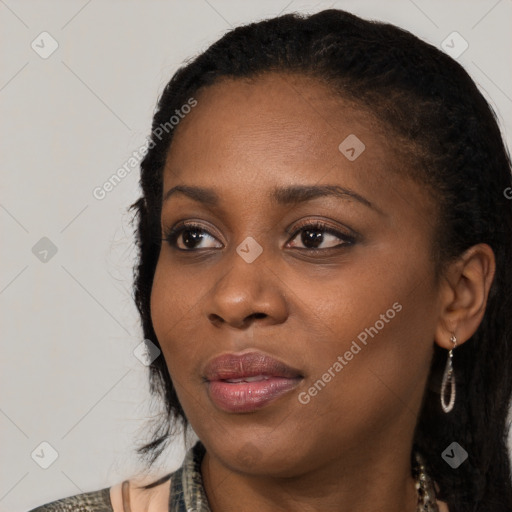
68,375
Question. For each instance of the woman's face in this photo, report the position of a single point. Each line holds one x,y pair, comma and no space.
350,306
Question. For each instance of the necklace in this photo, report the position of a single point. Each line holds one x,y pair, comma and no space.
424,487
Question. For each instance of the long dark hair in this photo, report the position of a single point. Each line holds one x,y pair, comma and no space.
454,148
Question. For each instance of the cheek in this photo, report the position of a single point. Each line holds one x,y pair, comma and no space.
177,315
374,334
164,303
171,309
174,297
379,371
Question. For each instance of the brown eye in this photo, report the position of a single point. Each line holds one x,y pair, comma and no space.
189,237
319,236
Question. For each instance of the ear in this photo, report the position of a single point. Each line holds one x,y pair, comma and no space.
463,296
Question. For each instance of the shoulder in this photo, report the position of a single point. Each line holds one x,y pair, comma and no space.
131,496
442,506
95,501
118,498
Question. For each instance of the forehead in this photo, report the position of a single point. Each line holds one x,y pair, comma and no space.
276,121
277,130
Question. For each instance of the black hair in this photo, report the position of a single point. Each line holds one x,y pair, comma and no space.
454,147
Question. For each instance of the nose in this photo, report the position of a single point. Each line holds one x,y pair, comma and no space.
247,293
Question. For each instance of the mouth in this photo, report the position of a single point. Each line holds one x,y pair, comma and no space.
255,378
247,382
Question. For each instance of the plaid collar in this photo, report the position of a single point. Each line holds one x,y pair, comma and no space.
187,491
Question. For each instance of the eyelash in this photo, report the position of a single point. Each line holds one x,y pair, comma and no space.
172,234
325,228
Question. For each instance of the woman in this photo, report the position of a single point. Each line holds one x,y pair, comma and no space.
324,237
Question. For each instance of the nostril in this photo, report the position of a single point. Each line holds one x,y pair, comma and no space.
215,319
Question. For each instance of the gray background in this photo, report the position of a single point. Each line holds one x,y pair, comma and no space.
68,375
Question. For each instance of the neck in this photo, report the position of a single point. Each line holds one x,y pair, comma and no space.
360,483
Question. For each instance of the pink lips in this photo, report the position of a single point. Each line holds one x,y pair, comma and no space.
247,382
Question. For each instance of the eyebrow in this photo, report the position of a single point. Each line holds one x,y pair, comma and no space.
282,195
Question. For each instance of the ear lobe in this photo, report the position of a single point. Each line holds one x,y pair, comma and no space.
464,295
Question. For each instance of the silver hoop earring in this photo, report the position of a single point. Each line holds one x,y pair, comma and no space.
449,380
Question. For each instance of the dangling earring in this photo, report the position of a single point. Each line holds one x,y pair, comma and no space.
449,380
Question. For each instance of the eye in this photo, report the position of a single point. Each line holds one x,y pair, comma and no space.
190,236
314,234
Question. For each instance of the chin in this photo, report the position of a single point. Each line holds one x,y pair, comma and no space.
258,455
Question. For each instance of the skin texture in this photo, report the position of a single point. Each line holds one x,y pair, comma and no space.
349,447
155,499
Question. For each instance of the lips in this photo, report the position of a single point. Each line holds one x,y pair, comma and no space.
252,364
246,382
